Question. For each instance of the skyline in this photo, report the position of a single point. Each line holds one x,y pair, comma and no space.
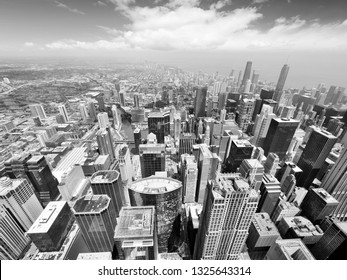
195,34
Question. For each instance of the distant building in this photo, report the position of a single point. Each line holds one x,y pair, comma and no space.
200,102
103,120
63,112
37,111
159,124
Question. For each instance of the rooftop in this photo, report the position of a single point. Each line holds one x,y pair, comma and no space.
47,217
95,256
290,247
7,185
242,143
264,224
302,226
105,176
155,185
135,222
92,204
323,194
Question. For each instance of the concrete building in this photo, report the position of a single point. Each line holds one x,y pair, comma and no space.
284,209
289,249
189,171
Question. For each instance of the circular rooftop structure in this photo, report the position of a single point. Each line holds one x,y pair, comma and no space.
155,185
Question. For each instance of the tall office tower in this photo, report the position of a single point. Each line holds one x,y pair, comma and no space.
262,123
152,158
108,182
101,102
135,234
19,200
299,227
335,183
136,101
271,164
222,115
177,127
289,249
122,98
189,170
262,234
92,111
228,210
270,191
287,112
105,142
239,150
37,111
115,116
49,230
287,169
63,112
279,136
222,100
159,124
284,209
206,136
245,113
333,243
246,76
200,102
313,156
288,185
84,111
125,165
165,194
330,95
207,166
13,240
42,179
252,170
103,120
281,81
258,154
16,166
137,140
97,221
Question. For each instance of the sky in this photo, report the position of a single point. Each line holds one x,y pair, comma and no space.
311,36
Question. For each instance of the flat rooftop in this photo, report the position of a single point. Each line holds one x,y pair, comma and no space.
264,225
242,143
135,222
95,256
43,223
7,185
152,148
155,185
324,195
302,226
92,204
105,176
291,246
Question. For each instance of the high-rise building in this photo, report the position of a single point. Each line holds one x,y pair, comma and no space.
207,166
335,183
270,191
271,164
136,101
228,210
152,158
84,111
244,117
313,156
239,150
19,201
284,209
103,120
166,195
108,182
63,112
13,240
246,76
262,124
189,170
125,165
281,81
200,102
253,171
135,233
50,229
187,140
116,121
97,221
37,111
105,142
262,234
289,249
318,204
92,110
101,102
288,185
159,124
333,243
279,136
137,140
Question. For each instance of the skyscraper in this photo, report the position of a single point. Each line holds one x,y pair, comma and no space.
189,169
84,111
228,210
105,142
200,102
152,158
314,154
279,136
159,124
244,117
37,111
63,112
166,195
92,110
335,183
103,120
97,221
187,140
116,121
281,81
246,75
108,182
239,150
137,140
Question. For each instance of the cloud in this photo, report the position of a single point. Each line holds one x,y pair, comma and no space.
100,4
184,25
220,4
259,1
63,6
29,44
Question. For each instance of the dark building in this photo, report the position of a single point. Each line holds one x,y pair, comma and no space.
314,154
137,140
279,136
266,94
281,81
165,194
200,102
159,124
239,150
152,158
